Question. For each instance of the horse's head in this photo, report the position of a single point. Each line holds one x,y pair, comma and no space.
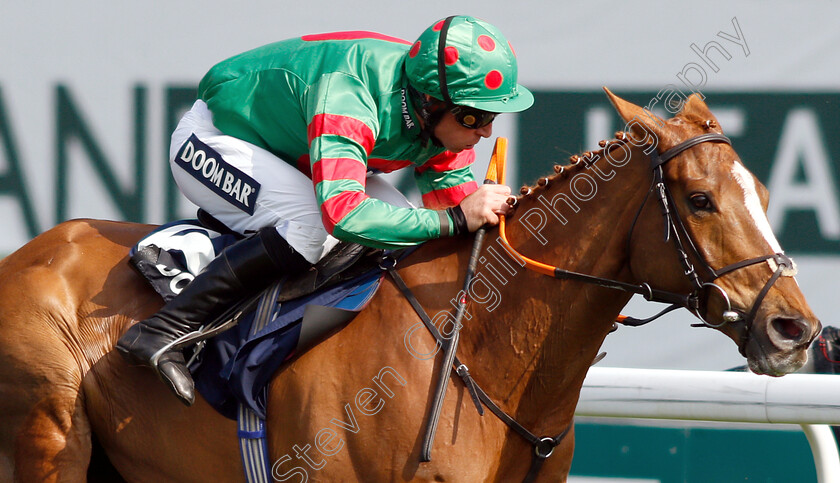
740,280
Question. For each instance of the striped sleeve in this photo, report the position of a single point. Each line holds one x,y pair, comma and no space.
341,135
446,179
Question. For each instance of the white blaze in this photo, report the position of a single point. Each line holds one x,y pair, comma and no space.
753,203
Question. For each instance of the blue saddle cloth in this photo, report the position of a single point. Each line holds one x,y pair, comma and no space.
237,365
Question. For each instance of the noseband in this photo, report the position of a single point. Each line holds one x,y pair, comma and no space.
780,263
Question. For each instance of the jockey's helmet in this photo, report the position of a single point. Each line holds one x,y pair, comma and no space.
465,61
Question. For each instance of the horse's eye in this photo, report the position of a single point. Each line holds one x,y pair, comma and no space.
701,201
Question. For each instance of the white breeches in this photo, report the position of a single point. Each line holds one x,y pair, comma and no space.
227,189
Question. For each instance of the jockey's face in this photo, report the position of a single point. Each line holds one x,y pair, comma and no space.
456,137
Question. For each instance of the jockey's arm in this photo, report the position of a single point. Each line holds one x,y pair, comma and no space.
350,215
342,132
447,180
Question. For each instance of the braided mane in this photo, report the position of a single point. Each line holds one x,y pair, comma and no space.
577,162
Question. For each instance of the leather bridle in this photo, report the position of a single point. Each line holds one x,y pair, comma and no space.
674,227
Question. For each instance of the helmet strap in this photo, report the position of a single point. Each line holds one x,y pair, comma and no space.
444,88
431,111
435,109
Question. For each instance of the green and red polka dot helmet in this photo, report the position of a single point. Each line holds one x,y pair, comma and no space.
478,69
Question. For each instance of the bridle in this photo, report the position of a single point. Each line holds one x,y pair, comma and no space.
780,263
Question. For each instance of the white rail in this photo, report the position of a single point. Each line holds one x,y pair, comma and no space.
810,400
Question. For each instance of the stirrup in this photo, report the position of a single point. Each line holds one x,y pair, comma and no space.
196,336
222,323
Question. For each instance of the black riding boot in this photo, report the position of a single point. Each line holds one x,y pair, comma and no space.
239,271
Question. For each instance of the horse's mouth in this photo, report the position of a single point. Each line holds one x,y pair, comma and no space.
767,368
778,345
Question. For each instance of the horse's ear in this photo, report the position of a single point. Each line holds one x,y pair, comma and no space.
638,119
695,106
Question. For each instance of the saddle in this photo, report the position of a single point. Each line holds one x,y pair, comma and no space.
256,336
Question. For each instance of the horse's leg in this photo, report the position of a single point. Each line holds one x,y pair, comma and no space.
54,444
45,432
101,470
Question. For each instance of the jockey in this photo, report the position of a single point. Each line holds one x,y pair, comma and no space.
333,111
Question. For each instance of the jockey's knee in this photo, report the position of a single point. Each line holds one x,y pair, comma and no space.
311,241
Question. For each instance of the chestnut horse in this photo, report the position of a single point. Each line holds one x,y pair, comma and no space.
353,407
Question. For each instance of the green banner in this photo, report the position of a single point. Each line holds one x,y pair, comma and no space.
787,139
691,453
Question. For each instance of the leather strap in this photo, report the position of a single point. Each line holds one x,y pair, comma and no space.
421,312
543,446
444,88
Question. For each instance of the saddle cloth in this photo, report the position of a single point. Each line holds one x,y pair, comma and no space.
237,365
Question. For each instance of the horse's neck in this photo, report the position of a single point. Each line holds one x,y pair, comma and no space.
536,343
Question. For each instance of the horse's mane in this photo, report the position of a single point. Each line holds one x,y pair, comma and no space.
577,163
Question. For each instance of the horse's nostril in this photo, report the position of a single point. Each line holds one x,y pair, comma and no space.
791,329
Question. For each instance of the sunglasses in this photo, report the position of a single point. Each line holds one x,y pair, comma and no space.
471,117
